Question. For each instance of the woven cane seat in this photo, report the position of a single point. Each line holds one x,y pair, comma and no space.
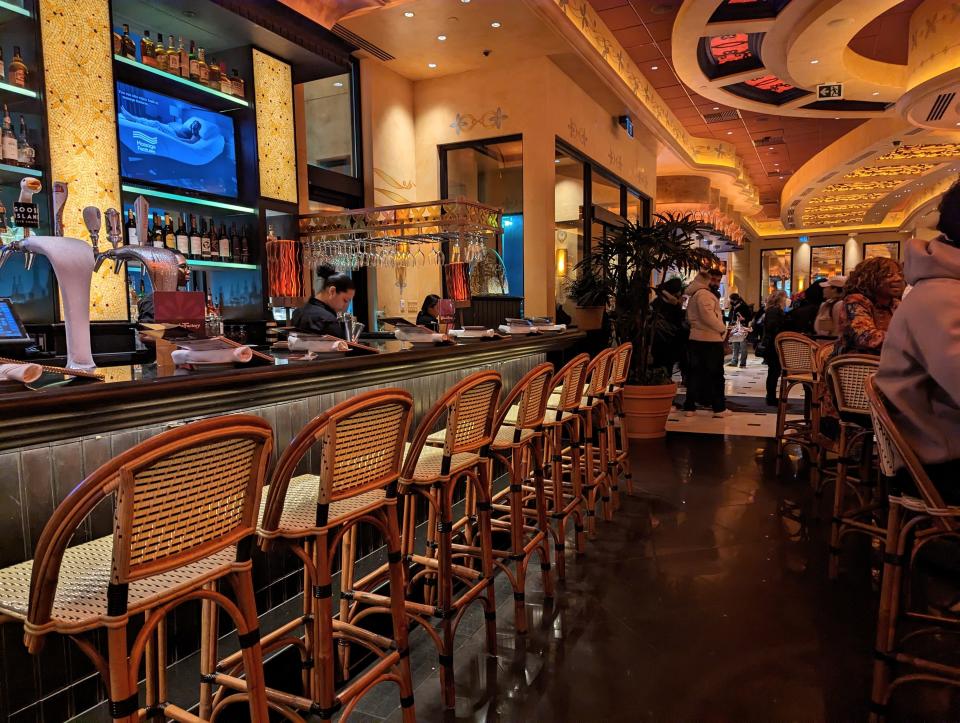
554,402
506,437
299,516
548,421
430,462
81,599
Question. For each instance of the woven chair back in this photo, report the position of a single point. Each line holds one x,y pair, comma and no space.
847,376
895,453
570,381
621,365
471,409
796,353
820,358
598,373
186,494
531,395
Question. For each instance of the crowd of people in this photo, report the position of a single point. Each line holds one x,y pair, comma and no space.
916,335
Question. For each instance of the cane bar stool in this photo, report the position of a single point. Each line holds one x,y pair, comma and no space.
912,523
847,377
359,447
619,451
519,445
824,447
186,507
797,353
564,488
466,413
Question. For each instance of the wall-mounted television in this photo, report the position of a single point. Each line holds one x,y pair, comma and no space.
171,142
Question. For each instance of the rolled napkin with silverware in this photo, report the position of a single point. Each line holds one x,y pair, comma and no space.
418,335
23,373
472,333
296,342
239,355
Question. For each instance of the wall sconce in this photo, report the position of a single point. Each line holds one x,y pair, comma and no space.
561,262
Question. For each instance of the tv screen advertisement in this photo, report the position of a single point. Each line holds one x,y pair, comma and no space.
171,142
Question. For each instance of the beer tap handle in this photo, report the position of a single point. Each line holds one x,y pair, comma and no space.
92,220
141,210
60,193
114,232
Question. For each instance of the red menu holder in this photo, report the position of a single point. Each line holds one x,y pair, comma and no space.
183,308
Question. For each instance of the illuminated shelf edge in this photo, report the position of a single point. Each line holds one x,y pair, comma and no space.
184,81
17,89
15,9
210,264
185,199
36,172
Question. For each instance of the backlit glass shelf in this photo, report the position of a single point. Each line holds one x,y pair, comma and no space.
14,8
150,193
18,90
178,79
21,170
200,263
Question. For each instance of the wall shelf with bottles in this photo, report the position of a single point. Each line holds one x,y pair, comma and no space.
202,264
10,88
7,169
12,7
189,200
229,99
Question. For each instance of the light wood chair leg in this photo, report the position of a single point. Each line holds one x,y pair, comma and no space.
839,495
886,617
122,683
242,583
398,612
208,652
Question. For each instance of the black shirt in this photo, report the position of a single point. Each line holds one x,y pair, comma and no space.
145,309
426,319
316,317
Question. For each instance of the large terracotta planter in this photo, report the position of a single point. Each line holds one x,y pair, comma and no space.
647,409
587,318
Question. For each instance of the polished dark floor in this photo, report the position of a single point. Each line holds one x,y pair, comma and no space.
705,599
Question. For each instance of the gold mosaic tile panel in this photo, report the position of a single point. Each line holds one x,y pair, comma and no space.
926,150
862,186
906,170
275,138
77,49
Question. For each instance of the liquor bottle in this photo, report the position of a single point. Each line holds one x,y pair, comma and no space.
206,242
8,141
133,300
17,72
226,85
195,248
194,63
157,231
148,51
142,291
203,70
131,228
3,66
25,153
129,47
184,59
244,247
238,86
213,79
234,242
3,217
173,57
223,245
169,237
183,237
117,44
160,53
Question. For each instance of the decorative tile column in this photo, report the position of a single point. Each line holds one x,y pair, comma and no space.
276,147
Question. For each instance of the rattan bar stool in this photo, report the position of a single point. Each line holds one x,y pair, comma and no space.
433,474
847,376
825,447
912,523
797,353
519,445
619,452
358,446
186,506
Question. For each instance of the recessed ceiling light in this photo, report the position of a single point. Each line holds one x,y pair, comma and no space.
814,61
495,24
338,84
771,148
654,67
556,160
465,1
408,14
716,107
729,133
441,37
876,92
431,65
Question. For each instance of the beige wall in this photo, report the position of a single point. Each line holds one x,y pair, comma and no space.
406,121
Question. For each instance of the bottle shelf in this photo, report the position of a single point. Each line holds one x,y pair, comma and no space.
201,263
14,8
151,193
7,168
10,88
183,81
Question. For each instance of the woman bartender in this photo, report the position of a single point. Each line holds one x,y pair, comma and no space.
429,315
319,314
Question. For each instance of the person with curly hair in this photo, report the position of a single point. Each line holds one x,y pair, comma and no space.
872,293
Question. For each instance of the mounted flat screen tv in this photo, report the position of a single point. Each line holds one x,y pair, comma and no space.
170,142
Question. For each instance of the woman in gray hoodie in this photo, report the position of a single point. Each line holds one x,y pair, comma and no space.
920,362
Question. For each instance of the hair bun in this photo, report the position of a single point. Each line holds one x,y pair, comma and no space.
325,272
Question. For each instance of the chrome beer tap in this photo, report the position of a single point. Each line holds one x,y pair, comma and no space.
160,264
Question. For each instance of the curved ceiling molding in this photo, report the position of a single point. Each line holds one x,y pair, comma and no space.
793,47
933,84
579,23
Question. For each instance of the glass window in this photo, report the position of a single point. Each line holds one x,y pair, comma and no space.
776,271
634,207
568,194
886,249
328,115
605,193
825,261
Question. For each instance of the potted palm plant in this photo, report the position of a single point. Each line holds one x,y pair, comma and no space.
589,294
629,264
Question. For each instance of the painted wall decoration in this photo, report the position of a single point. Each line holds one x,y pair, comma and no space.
276,148
77,51
577,133
390,188
468,121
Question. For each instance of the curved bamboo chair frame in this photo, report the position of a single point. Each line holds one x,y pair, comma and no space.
360,445
797,355
597,468
186,515
912,523
619,452
846,376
